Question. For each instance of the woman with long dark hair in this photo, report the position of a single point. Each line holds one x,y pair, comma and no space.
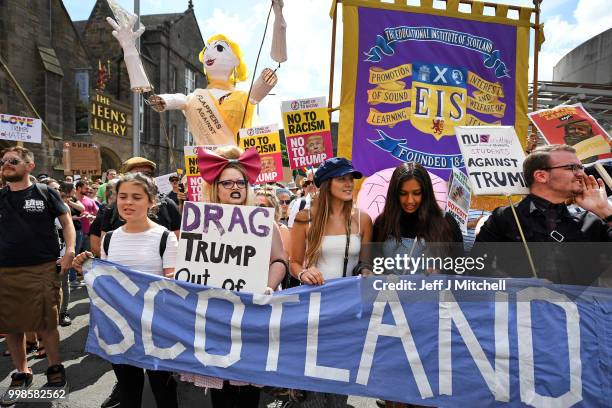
412,222
329,239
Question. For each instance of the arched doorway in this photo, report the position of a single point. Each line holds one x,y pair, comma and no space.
110,159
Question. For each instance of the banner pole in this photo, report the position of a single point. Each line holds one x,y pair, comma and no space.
536,52
518,224
332,60
604,174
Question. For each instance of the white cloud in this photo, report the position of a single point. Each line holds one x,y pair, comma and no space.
591,18
306,73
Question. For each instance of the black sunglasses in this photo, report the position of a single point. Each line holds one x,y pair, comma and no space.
13,162
284,201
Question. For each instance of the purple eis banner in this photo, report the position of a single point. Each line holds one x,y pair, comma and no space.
419,76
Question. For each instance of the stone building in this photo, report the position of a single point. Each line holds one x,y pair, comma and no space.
41,50
169,50
58,65
587,63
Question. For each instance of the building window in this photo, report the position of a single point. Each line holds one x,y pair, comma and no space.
187,137
81,80
173,140
173,79
190,81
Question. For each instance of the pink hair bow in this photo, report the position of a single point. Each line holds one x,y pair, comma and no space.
211,165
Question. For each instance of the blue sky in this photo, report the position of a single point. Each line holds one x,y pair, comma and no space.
568,23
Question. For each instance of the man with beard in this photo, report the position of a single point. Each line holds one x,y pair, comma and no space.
30,275
555,176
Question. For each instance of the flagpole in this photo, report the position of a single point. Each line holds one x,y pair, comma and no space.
536,52
136,96
332,60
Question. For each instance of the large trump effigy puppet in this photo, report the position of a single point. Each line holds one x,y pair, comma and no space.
214,114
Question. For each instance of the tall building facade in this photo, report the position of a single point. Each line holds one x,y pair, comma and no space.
41,52
74,76
589,62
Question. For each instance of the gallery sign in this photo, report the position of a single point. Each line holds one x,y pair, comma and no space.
108,116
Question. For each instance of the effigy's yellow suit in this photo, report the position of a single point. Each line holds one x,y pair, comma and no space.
216,113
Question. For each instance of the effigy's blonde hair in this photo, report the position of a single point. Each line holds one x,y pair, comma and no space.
240,73
230,152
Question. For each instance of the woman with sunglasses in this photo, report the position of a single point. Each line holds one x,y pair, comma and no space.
284,199
229,173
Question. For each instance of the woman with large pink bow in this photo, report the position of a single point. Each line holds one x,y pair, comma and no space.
229,173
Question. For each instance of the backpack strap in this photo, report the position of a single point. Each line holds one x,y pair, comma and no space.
163,242
106,241
43,189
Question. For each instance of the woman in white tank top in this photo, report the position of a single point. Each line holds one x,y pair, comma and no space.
320,235
328,240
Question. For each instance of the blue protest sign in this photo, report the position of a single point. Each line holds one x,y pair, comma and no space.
534,344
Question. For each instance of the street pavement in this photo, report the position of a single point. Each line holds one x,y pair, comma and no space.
91,378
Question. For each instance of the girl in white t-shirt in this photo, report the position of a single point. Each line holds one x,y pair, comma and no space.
136,245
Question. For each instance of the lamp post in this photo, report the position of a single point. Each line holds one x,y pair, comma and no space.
136,96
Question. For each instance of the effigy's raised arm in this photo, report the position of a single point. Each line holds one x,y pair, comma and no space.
123,31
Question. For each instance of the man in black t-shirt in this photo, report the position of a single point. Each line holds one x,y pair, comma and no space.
30,293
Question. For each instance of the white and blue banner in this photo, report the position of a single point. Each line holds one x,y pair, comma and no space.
438,340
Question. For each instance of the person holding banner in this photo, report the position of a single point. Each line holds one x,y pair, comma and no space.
229,173
329,239
554,175
412,219
145,246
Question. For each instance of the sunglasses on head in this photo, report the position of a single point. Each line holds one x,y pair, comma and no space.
13,162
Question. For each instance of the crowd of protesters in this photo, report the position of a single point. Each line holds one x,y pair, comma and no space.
318,235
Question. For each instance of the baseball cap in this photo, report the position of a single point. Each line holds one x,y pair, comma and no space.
335,167
130,163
